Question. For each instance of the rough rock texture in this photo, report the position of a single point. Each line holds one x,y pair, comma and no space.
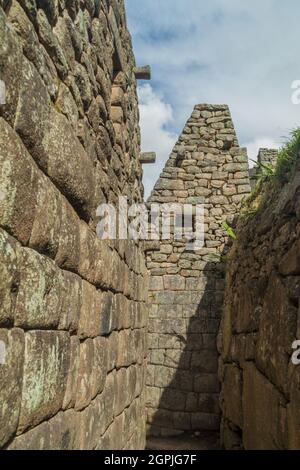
207,167
260,393
73,318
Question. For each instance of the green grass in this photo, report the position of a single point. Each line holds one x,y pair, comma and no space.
287,157
229,230
267,171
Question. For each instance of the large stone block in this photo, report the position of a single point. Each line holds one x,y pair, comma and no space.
174,283
40,288
18,183
84,387
121,392
263,412
290,264
125,338
48,38
11,372
47,221
11,62
89,322
293,414
106,313
67,256
99,370
244,312
172,399
232,393
206,383
182,421
164,376
68,165
278,327
9,272
71,385
46,364
32,126
62,431
156,283
71,302
36,439
205,422
153,397
112,350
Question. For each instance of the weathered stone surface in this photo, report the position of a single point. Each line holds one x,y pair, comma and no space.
39,298
89,321
74,177
11,62
233,391
36,439
9,272
278,324
18,174
260,324
84,393
46,226
69,141
293,414
11,373
264,426
290,264
62,431
71,385
174,283
32,127
67,256
46,362
99,372
71,302
205,421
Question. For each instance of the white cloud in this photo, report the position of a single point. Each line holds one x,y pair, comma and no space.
155,115
242,53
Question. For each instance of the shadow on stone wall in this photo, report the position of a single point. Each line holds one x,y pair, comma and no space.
189,403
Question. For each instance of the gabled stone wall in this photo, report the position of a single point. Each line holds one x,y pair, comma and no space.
73,321
208,167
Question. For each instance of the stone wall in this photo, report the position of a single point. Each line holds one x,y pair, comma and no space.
260,393
266,158
208,167
73,319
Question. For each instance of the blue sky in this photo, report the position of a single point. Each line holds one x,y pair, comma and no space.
238,52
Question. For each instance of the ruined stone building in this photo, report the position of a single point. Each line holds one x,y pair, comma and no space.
266,159
105,342
186,289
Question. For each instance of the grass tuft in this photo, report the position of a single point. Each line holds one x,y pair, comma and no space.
287,157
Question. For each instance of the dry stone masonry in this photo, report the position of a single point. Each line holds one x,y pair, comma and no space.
208,167
266,159
73,320
260,392
92,354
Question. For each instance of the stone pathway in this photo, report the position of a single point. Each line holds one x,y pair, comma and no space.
205,441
